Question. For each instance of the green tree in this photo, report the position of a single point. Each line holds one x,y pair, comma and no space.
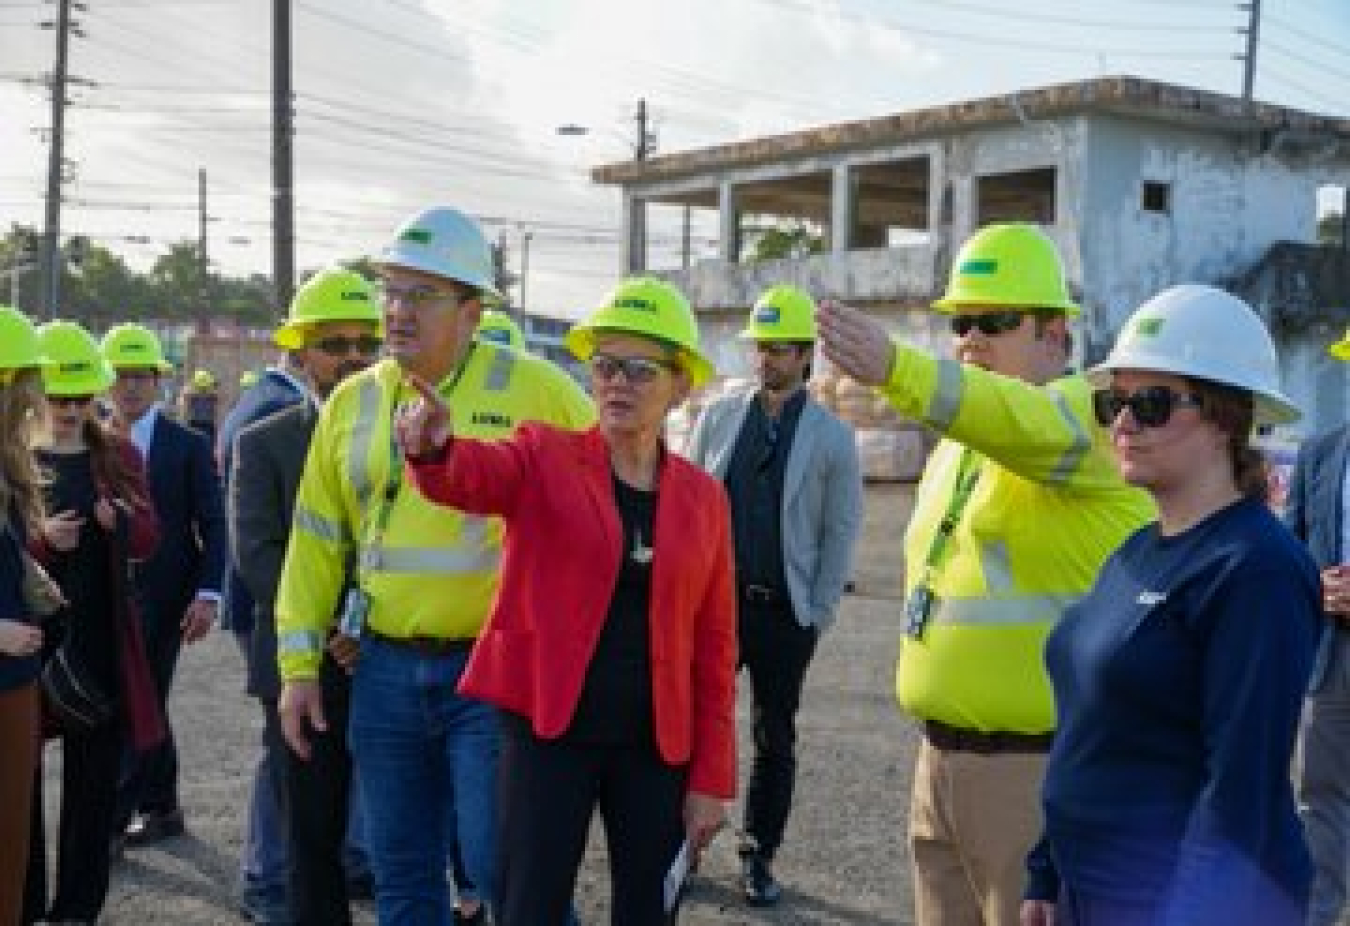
1330,228
101,290
176,282
784,241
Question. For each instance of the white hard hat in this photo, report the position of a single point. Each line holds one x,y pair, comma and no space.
445,243
1205,333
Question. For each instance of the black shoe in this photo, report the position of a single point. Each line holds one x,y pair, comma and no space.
757,881
150,828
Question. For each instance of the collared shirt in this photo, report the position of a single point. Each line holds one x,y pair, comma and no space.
754,481
143,430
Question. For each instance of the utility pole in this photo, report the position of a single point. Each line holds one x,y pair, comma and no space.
51,233
283,167
525,237
203,264
643,145
1253,32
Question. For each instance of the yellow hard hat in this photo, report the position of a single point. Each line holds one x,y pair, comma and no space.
248,379
499,328
132,346
335,294
650,308
1012,264
19,345
782,313
203,380
1341,349
77,366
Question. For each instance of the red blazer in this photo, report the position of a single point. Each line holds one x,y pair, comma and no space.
560,561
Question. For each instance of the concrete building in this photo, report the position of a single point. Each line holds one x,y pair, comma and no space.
1143,184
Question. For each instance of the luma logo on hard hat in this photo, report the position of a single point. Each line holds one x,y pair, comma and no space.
644,305
1148,327
416,235
979,268
768,315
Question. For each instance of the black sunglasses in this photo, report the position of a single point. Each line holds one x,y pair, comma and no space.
634,369
64,400
989,323
1151,407
339,344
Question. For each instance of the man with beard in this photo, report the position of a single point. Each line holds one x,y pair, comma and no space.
333,331
792,476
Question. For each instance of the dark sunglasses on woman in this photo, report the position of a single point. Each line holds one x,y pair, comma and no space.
1152,407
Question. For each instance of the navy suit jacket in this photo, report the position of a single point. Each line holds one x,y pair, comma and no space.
269,395
185,488
1315,512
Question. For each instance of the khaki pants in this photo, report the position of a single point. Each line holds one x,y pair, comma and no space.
18,762
972,820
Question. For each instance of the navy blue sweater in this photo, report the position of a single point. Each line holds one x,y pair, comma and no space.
1179,681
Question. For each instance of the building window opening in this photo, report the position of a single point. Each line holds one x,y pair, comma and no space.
1156,197
1018,196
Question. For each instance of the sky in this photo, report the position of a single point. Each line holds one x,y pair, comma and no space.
401,104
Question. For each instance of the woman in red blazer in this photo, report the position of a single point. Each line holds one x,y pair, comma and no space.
611,647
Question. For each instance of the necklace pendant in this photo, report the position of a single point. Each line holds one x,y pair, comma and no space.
641,553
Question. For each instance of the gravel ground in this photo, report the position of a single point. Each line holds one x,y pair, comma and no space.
844,860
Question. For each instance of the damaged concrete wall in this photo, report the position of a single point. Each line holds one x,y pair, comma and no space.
1229,205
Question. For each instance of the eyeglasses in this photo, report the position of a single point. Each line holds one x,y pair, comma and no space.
634,369
777,348
64,400
990,324
1151,407
416,296
338,344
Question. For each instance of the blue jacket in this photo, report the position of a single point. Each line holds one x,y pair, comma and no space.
1315,513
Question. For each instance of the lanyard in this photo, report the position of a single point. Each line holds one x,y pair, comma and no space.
370,557
919,607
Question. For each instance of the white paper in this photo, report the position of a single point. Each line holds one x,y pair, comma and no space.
675,875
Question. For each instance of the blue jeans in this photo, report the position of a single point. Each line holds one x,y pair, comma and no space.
425,757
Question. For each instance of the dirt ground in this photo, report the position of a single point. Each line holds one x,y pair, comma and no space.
844,860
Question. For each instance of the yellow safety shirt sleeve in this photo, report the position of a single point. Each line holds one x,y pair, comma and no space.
314,572
1042,433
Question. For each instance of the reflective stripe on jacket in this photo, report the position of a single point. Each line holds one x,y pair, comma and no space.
431,571
1046,510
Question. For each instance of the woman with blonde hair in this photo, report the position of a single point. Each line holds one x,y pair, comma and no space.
20,637
611,648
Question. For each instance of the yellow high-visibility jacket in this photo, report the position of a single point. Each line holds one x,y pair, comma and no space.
1047,507
430,570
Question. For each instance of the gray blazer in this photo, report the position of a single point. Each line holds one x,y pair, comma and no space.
269,456
822,498
1315,513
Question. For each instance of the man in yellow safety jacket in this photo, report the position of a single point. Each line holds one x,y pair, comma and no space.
413,581
1019,505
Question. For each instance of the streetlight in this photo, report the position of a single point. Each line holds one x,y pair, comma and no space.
642,145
